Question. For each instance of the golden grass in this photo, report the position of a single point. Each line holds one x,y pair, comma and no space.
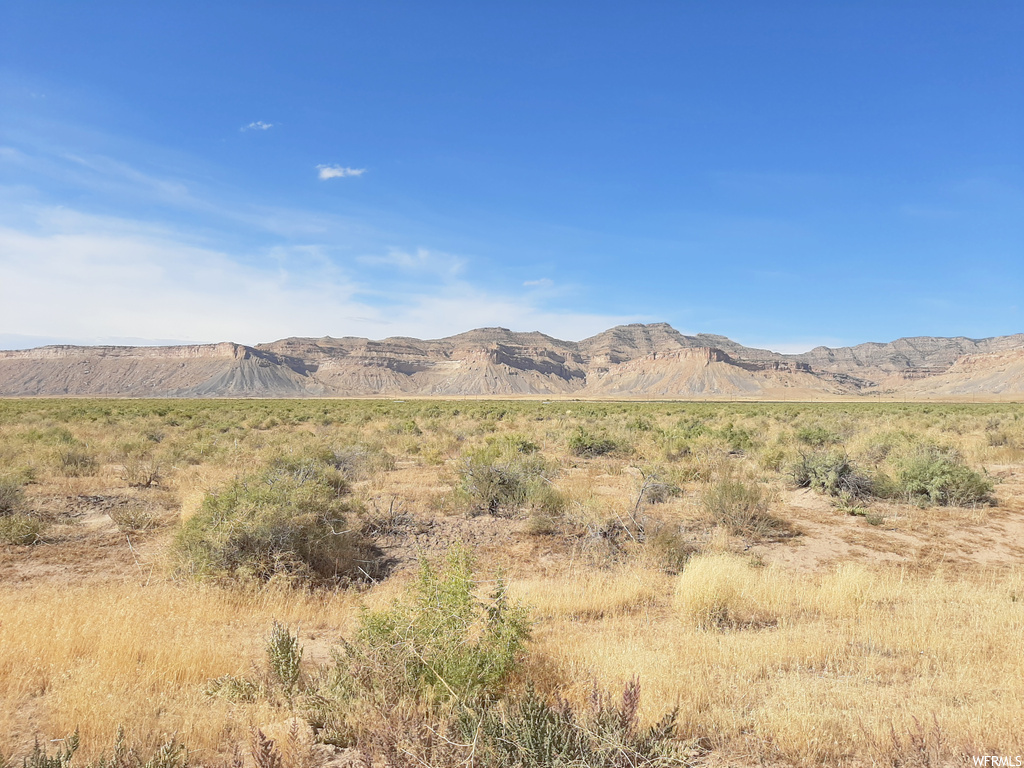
103,655
590,594
811,669
852,664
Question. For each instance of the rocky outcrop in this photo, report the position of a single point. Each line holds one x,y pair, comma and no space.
627,361
994,373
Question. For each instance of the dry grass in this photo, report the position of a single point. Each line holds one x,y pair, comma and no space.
105,655
853,643
586,594
813,669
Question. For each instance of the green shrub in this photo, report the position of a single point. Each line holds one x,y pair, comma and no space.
585,444
503,485
12,496
20,529
737,439
816,437
287,522
640,424
76,462
140,471
284,657
936,476
40,757
533,733
440,642
513,443
171,754
742,508
830,473
133,517
668,547
690,428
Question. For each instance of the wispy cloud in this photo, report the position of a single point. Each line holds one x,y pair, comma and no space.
338,172
541,283
420,260
258,125
113,278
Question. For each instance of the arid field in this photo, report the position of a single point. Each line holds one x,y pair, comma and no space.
287,584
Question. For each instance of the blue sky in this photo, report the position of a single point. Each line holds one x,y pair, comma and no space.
783,173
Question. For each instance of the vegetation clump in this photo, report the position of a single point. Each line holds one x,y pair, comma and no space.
16,526
12,496
741,507
816,437
21,529
503,479
586,444
441,642
288,523
722,591
74,461
832,474
532,732
936,476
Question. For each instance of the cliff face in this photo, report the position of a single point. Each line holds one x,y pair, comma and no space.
910,357
994,373
632,360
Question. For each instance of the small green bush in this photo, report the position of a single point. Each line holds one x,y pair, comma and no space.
502,484
440,643
585,444
133,518
12,496
284,657
40,757
21,529
830,473
513,443
288,523
140,471
816,437
533,733
742,508
668,547
936,476
76,462
171,754
737,439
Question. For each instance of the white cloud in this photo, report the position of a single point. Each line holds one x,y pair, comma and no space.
259,125
420,260
338,172
69,275
542,283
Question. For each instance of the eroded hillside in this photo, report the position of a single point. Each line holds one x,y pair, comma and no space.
645,361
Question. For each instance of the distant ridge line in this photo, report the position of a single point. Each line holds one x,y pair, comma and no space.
635,360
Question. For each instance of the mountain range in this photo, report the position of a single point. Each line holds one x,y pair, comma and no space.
649,361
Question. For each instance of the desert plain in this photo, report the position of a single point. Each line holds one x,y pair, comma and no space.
444,581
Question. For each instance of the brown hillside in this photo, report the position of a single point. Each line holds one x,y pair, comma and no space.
627,361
